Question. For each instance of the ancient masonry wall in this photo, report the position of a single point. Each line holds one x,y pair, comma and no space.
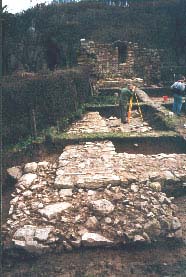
104,59
142,62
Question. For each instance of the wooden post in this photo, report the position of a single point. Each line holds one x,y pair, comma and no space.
91,88
34,126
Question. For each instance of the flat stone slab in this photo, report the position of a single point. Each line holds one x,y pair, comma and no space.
30,167
113,198
28,179
102,206
15,172
53,210
31,238
93,239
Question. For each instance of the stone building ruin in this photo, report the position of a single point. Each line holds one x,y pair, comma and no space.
121,59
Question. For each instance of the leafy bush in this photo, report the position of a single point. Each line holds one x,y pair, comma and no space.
47,99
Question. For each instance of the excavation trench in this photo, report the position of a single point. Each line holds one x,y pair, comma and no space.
165,97
151,145
158,92
150,115
126,259
169,107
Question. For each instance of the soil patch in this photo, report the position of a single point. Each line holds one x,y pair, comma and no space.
150,146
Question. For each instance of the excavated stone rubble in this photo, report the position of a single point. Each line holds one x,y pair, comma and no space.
93,122
93,196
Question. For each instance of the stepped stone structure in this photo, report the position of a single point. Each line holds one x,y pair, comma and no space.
124,59
93,196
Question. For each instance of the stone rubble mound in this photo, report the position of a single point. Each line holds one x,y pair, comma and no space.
91,197
169,170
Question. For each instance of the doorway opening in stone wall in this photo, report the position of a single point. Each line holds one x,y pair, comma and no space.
122,51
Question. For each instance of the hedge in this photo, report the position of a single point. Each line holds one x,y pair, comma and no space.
39,101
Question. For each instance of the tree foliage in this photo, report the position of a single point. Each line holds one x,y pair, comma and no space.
153,24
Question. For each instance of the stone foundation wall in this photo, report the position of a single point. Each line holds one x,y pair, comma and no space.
102,57
141,62
105,60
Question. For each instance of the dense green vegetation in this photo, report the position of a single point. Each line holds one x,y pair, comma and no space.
59,28
31,105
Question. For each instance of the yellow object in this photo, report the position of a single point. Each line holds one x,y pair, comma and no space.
131,103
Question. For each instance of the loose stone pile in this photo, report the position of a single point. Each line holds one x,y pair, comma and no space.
93,196
167,169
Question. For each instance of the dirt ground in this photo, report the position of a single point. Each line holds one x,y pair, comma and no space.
101,262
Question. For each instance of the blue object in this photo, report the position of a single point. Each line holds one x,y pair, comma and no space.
177,105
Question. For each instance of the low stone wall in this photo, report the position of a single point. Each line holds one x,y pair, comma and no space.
93,196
